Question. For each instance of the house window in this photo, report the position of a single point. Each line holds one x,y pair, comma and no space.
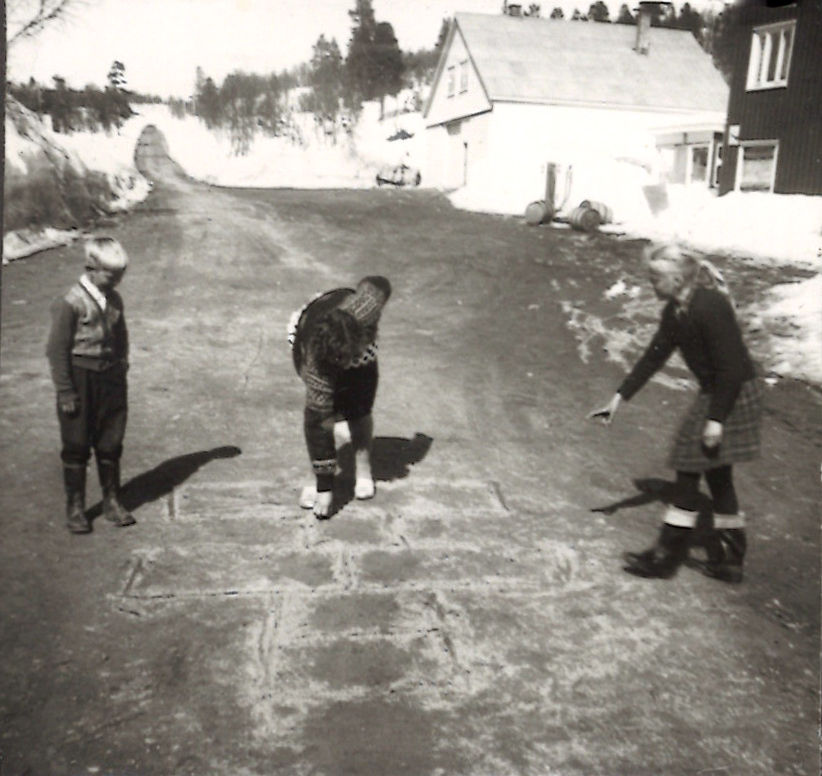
463,77
770,56
452,79
756,168
699,163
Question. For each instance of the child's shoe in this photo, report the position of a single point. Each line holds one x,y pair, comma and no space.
726,553
74,478
113,510
662,560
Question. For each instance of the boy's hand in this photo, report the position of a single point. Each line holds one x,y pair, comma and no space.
69,407
322,506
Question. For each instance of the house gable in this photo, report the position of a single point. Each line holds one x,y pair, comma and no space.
553,61
458,90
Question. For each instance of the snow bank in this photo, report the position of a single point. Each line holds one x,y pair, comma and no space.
26,242
797,347
770,228
307,158
111,154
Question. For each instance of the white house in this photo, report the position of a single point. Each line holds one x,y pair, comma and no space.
512,94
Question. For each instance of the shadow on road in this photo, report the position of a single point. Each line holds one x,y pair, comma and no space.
391,458
161,480
650,490
654,490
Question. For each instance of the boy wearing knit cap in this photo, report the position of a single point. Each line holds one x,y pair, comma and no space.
88,356
333,341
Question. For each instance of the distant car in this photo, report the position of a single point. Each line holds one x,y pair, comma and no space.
400,175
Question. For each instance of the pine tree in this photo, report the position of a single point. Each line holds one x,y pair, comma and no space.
326,77
598,12
374,64
625,16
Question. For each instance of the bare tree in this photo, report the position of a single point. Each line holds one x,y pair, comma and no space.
26,18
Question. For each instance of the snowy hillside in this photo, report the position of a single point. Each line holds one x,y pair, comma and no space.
62,174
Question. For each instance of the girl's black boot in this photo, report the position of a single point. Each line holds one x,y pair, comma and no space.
726,553
663,560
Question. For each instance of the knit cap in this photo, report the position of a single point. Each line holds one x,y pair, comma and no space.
369,298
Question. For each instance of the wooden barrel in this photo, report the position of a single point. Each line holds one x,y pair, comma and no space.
606,215
538,213
585,219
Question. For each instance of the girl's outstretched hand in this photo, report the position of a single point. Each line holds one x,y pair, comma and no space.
606,413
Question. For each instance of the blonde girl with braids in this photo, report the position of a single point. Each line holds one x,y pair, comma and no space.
722,426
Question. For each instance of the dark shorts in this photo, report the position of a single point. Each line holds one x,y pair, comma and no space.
355,392
740,432
100,423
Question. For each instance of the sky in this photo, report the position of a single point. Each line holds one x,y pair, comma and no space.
162,42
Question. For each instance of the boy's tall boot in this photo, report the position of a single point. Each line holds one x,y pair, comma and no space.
671,549
726,548
74,479
113,510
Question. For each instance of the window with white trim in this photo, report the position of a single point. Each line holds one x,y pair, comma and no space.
770,60
699,162
756,166
463,76
452,80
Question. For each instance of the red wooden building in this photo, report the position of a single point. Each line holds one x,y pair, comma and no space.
773,138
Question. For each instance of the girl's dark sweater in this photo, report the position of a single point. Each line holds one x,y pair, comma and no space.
710,341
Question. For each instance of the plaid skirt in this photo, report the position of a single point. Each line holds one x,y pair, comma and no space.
740,432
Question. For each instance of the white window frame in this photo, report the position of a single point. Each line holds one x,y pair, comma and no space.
452,80
740,161
689,162
463,76
763,41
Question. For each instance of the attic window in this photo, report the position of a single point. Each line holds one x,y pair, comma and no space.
770,60
452,80
463,76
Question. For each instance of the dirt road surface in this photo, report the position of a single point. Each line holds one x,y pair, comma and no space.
474,617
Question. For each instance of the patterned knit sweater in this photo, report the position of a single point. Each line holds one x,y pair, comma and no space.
85,334
365,303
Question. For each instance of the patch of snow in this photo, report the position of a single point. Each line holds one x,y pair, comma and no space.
26,242
800,349
618,289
